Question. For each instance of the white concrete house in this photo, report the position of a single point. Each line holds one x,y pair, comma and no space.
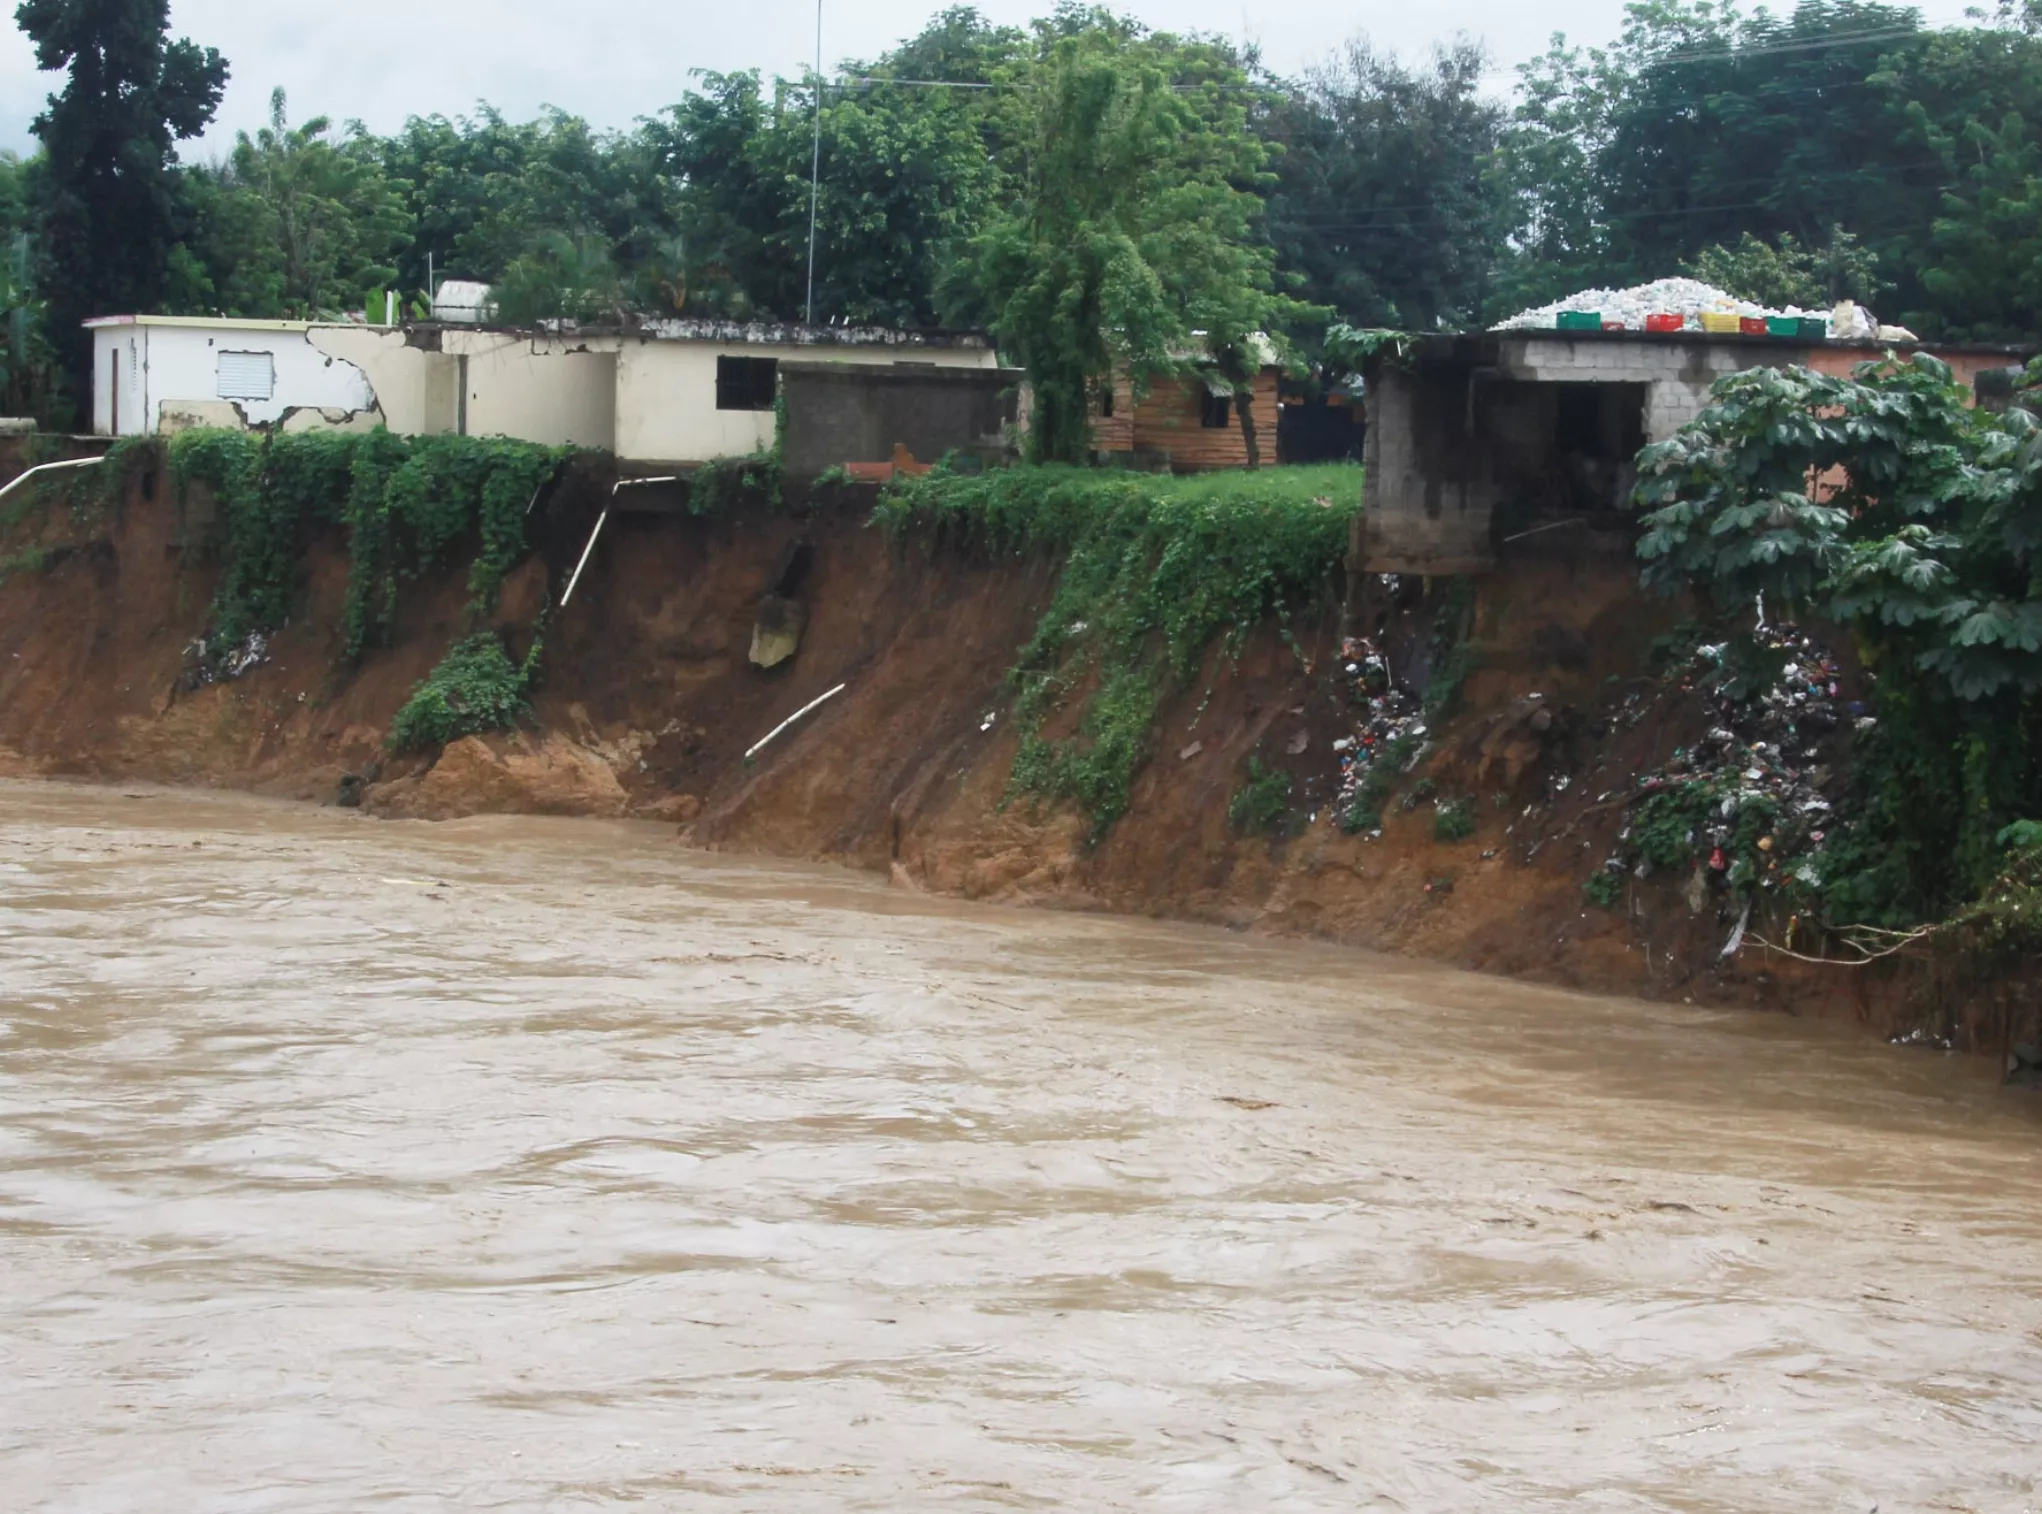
168,373
675,392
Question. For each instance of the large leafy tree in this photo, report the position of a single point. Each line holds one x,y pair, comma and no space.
295,224
910,162
1130,239
1385,206
1810,152
27,374
107,211
1786,273
1984,269
484,192
903,178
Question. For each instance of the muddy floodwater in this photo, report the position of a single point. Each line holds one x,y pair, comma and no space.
514,1164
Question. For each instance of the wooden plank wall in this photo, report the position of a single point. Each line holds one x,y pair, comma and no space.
1168,422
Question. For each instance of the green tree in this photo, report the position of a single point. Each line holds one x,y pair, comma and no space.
293,225
1385,207
907,173
1790,274
107,199
1131,238
1704,124
561,278
483,192
1929,552
1985,273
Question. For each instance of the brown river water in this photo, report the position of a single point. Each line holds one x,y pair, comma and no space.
515,1164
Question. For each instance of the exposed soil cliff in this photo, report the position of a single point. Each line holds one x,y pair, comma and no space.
649,701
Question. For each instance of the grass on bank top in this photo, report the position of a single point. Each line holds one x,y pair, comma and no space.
1304,482
1155,569
1053,506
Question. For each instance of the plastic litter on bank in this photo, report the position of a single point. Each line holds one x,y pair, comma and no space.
1390,722
1769,756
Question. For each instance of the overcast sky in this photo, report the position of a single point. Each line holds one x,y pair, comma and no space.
615,60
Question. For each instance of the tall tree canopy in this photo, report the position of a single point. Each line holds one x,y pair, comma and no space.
1095,191
294,224
1130,232
1385,206
107,215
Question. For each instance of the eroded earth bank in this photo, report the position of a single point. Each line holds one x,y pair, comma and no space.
647,700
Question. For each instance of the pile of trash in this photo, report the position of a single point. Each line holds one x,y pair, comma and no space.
1762,769
1683,297
1388,739
204,663
1691,300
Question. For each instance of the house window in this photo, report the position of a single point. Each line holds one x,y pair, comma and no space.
747,383
248,376
1215,411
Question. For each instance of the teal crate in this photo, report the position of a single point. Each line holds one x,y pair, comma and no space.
1580,320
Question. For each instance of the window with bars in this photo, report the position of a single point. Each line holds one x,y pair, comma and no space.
747,383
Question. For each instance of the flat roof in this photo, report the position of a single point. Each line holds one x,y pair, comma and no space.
205,322
725,333
1741,339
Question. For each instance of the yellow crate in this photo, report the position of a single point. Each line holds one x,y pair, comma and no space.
1720,321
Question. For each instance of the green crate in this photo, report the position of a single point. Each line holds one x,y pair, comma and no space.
1580,320
1783,325
1815,328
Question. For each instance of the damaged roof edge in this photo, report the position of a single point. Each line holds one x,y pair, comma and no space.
726,333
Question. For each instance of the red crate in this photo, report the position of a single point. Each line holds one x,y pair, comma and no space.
1665,323
1752,325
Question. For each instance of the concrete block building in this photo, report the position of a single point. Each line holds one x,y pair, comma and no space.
1475,439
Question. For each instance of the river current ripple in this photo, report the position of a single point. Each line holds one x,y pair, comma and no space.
513,1164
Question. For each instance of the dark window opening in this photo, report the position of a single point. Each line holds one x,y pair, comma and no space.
1601,421
747,383
1106,402
1214,410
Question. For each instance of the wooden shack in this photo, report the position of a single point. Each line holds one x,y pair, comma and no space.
1184,425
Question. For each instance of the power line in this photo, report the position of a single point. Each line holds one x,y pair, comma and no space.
1677,57
1330,220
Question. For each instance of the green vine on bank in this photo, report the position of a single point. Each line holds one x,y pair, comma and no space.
1262,804
1155,570
404,502
475,689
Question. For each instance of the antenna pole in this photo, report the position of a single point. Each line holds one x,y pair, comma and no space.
815,165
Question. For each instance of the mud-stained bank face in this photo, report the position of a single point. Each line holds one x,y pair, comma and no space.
529,1165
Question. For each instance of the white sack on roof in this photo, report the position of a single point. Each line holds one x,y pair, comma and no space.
1683,297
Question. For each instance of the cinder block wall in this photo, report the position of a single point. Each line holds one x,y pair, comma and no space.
841,413
1430,491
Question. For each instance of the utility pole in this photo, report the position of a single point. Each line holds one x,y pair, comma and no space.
815,165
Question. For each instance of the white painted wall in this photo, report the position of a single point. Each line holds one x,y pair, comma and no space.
170,370
646,398
118,351
418,392
558,392
666,393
